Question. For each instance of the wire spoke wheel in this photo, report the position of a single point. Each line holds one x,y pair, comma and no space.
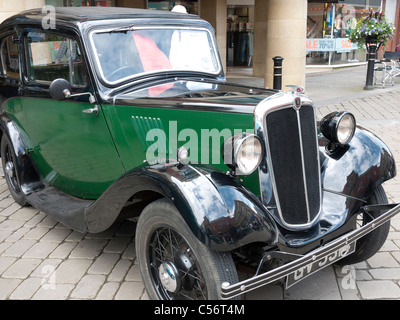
173,264
174,267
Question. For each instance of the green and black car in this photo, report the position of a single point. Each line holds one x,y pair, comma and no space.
116,112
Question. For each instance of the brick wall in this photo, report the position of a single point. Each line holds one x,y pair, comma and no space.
396,39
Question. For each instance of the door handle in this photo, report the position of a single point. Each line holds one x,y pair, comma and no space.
94,110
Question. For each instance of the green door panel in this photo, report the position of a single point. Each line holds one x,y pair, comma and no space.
73,151
146,135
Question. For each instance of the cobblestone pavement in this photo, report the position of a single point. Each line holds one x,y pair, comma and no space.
41,259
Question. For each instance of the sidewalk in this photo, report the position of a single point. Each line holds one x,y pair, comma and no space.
41,259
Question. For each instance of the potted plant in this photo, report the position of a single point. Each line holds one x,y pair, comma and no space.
372,28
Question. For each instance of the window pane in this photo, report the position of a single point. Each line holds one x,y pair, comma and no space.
9,57
142,51
53,56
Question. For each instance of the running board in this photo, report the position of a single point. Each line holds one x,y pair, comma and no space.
68,210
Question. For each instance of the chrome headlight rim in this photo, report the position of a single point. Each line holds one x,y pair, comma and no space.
339,127
233,153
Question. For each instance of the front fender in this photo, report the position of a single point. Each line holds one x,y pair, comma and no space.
220,212
357,169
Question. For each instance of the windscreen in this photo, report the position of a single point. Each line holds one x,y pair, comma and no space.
124,54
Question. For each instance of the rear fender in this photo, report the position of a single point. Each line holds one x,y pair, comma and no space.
27,173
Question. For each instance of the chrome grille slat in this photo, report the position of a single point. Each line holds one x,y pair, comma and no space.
292,161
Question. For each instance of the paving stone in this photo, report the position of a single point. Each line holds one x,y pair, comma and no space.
130,291
40,250
117,244
383,260
63,250
26,289
108,291
46,269
11,225
386,273
8,211
104,264
36,233
378,289
18,248
56,235
25,214
57,292
88,249
133,274
120,270
72,270
7,286
88,287
21,268
5,263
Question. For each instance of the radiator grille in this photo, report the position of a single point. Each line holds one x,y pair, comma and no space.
293,151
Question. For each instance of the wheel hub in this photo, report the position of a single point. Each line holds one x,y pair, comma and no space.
169,277
10,169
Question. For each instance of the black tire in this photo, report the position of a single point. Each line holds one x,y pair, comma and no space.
370,244
8,160
166,247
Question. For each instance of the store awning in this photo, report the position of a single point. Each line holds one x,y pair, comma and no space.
371,3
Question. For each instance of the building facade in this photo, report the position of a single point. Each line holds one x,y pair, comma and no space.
252,32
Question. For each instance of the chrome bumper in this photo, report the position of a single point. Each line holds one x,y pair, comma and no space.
314,260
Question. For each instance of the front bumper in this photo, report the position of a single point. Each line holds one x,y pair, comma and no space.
304,265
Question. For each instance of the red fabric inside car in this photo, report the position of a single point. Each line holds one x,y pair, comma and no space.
153,59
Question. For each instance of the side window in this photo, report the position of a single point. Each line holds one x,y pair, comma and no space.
9,58
52,56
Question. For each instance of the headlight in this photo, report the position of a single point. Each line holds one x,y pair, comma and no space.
338,127
243,153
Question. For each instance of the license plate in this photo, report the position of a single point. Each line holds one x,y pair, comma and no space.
319,263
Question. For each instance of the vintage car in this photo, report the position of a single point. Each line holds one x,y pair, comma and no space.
110,113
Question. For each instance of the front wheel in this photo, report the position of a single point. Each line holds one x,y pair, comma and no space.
173,264
370,244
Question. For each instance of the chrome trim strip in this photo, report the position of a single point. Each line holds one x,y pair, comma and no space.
302,163
282,100
230,291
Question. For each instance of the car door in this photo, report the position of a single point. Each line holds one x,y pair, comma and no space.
71,147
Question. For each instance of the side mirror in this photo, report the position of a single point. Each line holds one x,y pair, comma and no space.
60,89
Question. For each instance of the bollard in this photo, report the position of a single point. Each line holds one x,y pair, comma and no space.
277,72
372,49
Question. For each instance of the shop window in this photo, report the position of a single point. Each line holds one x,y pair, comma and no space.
80,3
52,56
9,58
240,36
328,27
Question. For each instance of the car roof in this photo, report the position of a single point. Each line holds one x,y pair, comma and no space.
75,15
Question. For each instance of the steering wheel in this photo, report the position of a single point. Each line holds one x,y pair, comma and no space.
121,72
